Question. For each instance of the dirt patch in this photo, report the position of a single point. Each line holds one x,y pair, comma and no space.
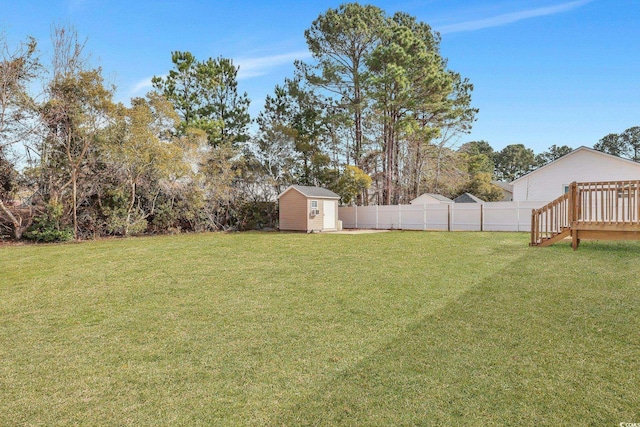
357,231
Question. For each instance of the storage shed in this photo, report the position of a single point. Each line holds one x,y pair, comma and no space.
305,208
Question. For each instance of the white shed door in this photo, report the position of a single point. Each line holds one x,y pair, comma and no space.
329,211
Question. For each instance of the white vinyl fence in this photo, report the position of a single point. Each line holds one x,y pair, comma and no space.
496,216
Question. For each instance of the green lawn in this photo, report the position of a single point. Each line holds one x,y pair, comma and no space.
398,328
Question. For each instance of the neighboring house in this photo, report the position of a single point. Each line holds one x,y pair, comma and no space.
582,165
507,190
304,208
468,198
430,199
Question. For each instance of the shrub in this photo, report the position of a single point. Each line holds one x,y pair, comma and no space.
47,228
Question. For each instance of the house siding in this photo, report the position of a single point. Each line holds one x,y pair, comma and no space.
507,190
581,166
507,196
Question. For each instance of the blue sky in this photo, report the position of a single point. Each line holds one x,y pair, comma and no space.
564,72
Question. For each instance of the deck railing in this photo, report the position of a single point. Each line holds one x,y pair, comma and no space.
550,220
587,203
611,202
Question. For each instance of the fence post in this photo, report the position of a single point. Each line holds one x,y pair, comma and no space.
400,217
481,217
424,216
356,217
518,215
376,217
448,217
534,228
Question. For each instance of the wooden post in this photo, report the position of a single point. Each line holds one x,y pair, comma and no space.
573,202
534,228
573,214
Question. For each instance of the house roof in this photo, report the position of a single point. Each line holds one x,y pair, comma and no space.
310,191
577,150
468,198
438,197
504,185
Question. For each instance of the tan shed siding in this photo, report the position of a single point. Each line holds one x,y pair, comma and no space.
315,222
294,211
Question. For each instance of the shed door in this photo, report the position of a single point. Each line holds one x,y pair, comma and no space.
329,212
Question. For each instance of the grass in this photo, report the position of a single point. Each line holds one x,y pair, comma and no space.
400,328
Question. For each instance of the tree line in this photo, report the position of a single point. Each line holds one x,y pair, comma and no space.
374,116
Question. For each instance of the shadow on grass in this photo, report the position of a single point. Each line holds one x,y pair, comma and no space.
535,344
610,246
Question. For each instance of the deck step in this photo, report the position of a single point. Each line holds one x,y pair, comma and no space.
555,237
589,210
547,241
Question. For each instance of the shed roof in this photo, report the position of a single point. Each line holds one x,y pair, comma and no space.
468,198
310,191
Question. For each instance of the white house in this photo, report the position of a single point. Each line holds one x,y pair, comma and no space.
507,190
582,165
430,199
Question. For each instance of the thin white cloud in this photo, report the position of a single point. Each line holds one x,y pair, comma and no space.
255,67
249,68
144,84
509,18
75,5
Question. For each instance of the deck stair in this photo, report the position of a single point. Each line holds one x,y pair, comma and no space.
607,210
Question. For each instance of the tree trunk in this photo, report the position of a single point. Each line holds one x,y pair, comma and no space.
396,167
18,228
74,177
131,205
357,117
387,165
417,165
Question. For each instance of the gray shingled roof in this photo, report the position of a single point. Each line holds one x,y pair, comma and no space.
503,185
310,191
468,198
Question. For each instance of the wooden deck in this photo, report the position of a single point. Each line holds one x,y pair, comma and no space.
590,210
